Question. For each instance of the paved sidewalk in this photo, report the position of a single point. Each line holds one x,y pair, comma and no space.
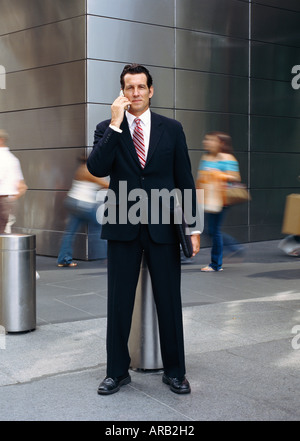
242,356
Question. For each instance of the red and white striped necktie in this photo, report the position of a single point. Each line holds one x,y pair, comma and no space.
138,141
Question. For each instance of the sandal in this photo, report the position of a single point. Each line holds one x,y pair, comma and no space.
70,265
209,269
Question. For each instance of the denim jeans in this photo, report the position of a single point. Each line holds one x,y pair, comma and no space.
221,242
212,226
80,212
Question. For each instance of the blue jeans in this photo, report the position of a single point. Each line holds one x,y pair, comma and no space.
212,226
79,212
221,242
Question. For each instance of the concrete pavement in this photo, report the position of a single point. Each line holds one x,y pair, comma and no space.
241,336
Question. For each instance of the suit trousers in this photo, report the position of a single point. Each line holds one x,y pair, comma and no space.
124,261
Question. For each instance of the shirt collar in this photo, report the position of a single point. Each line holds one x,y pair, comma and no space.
145,118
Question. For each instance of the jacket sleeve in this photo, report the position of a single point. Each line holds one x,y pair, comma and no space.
184,180
101,159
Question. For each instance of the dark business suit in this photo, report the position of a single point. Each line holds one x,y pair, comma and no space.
167,167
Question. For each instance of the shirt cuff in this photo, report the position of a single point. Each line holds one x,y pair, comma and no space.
116,129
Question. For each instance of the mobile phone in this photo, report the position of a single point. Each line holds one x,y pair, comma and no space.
122,94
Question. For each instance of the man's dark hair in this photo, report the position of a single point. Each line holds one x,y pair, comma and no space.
135,69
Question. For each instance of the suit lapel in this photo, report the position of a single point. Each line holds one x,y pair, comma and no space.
127,140
155,134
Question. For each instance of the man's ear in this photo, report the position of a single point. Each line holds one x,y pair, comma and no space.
151,92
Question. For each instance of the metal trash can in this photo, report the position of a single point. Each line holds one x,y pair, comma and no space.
144,344
18,282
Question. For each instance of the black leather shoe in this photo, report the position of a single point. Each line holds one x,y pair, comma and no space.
177,385
111,385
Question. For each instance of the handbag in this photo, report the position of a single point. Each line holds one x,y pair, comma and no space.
183,232
236,193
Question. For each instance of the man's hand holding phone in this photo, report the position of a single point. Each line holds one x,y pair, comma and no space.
118,108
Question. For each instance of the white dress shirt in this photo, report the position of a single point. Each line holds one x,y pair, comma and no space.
145,124
10,172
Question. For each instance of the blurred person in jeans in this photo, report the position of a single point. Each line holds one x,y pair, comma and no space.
82,203
12,184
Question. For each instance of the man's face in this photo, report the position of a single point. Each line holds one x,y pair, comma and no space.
138,93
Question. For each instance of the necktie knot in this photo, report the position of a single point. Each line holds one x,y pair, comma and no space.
137,121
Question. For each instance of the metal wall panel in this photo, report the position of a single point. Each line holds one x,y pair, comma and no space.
48,128
130,42
267,209
271,134
24,14
236,216
275,25
275,123
44,87
195,157
103,83
197,124
275,170
49,169
217,93
42,210
224,17
155,11
65,42
292,5
212,53
273,61
274,98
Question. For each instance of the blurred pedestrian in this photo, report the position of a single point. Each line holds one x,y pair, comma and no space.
290,245
82,204
217,168
12,183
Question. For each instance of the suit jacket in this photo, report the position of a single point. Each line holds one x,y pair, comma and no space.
167,167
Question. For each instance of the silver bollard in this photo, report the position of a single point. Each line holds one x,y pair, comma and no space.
17,282
144,344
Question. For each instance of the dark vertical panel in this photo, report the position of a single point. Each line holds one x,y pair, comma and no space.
275,25
275,115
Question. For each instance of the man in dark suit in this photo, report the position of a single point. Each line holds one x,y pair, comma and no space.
141,156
